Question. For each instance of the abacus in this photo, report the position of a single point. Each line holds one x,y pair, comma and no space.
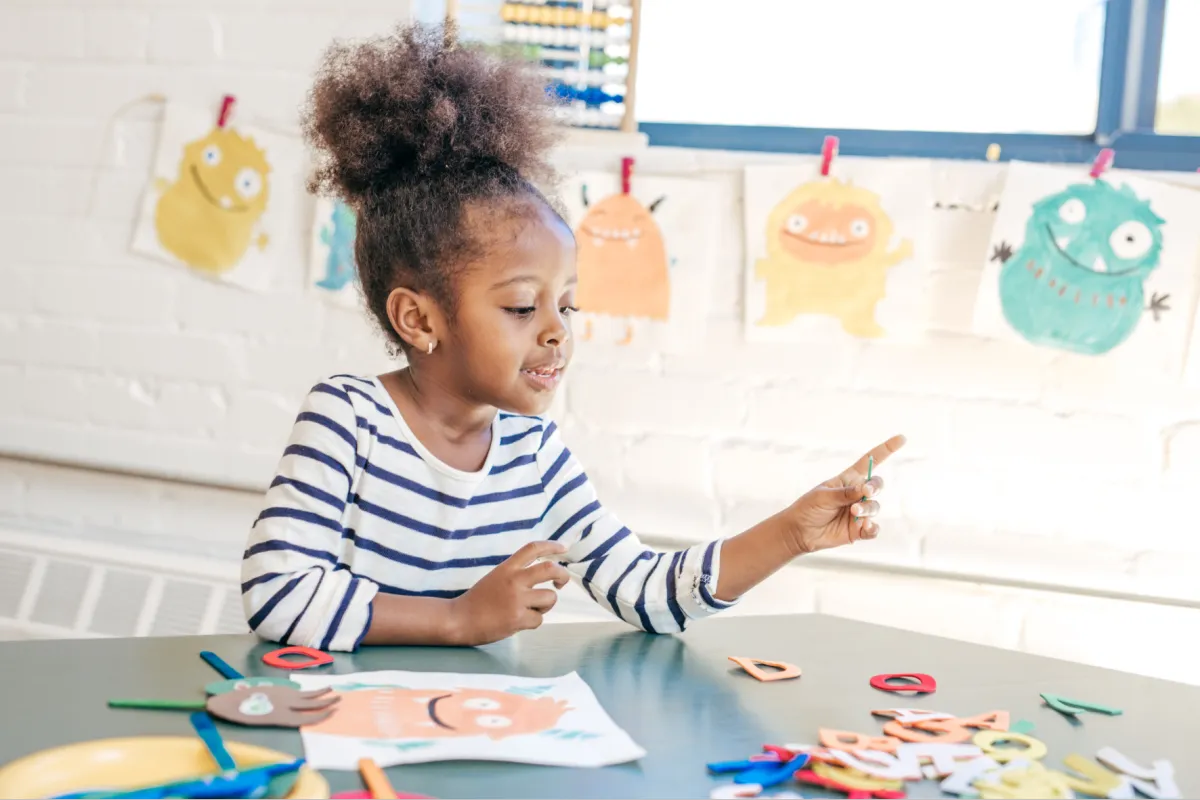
587,49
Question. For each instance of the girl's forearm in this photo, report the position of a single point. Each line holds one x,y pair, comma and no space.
398,620
754,555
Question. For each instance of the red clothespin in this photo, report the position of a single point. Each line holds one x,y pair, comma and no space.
226,108
828,151
1103,161
626,174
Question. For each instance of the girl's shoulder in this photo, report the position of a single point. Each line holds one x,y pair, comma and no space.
531,431
531,439
361,395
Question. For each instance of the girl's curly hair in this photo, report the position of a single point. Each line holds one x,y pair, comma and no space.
411,129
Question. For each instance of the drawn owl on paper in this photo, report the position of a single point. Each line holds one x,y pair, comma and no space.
828,253
622,261
385,713
1077,281
208,216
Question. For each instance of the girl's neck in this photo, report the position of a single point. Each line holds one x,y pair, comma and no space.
456,430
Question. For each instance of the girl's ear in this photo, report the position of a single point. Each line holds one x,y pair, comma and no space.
413,318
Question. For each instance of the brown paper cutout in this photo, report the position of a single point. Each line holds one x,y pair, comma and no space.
950,732
849,740
785,670
272,706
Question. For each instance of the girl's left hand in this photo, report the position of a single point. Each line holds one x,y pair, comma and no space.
835,513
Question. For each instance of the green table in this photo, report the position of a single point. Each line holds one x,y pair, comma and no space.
678,696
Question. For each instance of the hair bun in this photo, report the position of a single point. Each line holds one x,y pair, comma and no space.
417,105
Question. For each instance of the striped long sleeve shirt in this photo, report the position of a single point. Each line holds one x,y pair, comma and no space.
360,506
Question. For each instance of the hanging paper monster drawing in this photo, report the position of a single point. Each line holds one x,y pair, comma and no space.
622,259
829,250
410,717
213,202
1086,265
209,215
1076,282
644,254
824,253
338,235
332,270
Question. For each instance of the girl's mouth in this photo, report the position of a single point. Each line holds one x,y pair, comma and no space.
543,378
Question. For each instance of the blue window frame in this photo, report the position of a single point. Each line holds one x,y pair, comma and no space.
1125,116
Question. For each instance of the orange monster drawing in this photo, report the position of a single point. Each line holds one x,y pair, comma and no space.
827,253
622,260
385,713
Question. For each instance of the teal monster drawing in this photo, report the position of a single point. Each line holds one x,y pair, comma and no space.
1077,281
338,236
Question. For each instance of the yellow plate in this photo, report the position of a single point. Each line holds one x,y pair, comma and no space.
136,761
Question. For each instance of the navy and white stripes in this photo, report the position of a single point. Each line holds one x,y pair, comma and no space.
360,506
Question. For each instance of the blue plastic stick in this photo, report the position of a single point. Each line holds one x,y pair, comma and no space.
207,731
734,766
768,774
218,663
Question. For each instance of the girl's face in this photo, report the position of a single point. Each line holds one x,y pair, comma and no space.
510,340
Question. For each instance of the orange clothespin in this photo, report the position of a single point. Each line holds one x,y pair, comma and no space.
828,152
226,109
1104,160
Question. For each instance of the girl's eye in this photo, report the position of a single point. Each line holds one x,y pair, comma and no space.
523,311
565,310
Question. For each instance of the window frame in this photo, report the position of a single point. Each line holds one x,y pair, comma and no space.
1129,70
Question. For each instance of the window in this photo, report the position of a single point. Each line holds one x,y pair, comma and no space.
1047,80
926,65
1178,108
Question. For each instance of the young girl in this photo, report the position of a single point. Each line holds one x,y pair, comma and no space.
433,505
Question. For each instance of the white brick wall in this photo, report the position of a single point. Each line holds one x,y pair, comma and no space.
1023,468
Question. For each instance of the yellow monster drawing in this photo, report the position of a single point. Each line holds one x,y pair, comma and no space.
827,253
208,216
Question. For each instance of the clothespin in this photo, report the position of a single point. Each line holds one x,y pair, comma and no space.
828,151
993,152
226,108
1103,161
626,174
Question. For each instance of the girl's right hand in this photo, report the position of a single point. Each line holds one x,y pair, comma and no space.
505,600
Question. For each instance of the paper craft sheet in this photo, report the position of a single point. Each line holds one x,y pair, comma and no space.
645,259
838,256
1092,268
223,201
332,270
412,717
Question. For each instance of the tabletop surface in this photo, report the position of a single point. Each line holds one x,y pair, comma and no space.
679,697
